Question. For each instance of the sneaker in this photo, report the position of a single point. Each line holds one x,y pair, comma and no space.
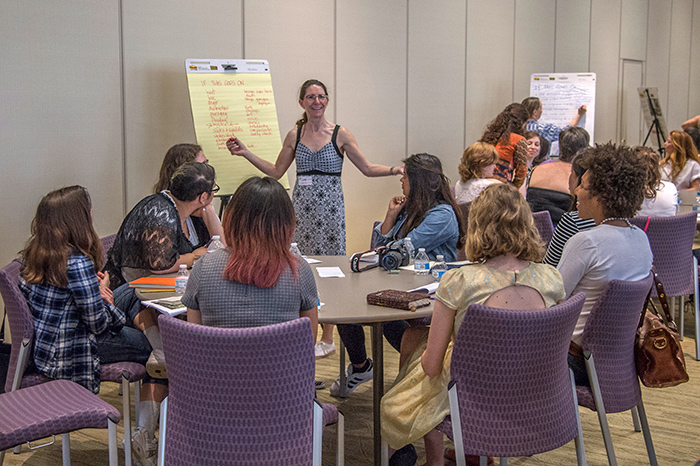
405,456
320,384
352,380
156,365
144,449
324,349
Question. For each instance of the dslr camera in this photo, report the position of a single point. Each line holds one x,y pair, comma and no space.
393,255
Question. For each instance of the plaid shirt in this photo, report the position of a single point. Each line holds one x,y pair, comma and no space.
66,321
549,131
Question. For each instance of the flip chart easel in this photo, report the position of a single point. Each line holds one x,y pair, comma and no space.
233,97
561,95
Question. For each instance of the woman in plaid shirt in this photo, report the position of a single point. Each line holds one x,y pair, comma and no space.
76,324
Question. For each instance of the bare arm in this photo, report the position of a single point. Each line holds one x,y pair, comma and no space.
693,122
581,111
187,259
281,165
194,316
694,185
438,338
395,205
348,145
313,315
211,220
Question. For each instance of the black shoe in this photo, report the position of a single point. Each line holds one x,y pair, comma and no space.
405,456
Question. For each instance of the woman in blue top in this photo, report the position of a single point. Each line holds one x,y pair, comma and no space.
426,213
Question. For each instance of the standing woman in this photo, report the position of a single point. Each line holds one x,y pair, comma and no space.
506,133
681,165
548,131
318,147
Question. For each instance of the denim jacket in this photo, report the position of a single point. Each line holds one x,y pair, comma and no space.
438,233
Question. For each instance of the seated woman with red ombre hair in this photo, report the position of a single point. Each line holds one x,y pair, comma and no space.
255,281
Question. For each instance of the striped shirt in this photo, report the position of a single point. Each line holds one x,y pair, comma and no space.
568,226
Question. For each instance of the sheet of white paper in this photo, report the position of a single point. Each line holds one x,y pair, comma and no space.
431,287
309,260
327,272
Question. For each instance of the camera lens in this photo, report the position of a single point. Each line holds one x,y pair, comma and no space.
392,260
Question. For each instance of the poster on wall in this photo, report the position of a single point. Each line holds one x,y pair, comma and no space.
234,97
561,95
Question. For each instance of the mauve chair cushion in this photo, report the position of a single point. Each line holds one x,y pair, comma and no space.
50,408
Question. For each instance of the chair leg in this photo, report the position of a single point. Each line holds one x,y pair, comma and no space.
696,302
340,452
112,432
600,407
137,401
503,461
647,434
317,433
385,453
161,431
456,424
2,457
635,419
343,377
126,399
65,447
578,441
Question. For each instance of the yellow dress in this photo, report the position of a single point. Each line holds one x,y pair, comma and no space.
416,403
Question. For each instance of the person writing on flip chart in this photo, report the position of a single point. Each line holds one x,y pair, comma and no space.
549,131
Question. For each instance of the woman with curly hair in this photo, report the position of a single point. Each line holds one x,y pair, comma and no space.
506,249
611,191
506,133
475,171
681,165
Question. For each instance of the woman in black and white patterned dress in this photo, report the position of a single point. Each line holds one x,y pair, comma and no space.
318,146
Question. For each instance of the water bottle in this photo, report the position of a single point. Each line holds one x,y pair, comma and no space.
439,268
181,279
215,244
422,264
294,249
411,250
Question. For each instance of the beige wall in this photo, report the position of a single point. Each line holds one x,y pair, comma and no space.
94,92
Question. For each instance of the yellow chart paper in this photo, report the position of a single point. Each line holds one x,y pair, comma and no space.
241,104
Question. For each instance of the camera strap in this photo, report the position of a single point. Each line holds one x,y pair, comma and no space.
355,261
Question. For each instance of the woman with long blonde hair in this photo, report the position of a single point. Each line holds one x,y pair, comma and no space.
681,165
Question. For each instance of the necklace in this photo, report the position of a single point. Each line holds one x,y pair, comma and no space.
612,219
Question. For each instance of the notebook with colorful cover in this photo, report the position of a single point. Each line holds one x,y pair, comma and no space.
154,282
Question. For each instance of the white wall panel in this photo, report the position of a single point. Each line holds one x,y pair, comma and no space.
573,30
658,44
158,37
299,43
61,111
694,95
534,43
371,86
633,32
436,89
605,62
490,37
679,63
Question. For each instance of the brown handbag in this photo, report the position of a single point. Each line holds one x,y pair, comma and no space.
658,354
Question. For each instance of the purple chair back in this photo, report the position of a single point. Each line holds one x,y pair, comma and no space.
513,383
239,396
543,222
19,318
609,335
671,241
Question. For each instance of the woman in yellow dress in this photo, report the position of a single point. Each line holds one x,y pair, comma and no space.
506,250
